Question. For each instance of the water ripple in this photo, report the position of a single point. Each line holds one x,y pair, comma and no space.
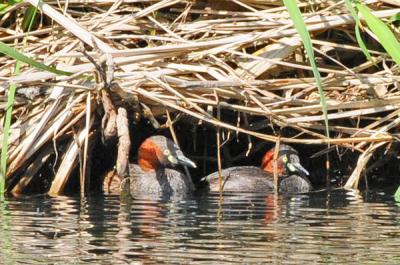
335,227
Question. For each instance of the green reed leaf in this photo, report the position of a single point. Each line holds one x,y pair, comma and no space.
358,25
382,32
299,24
7,50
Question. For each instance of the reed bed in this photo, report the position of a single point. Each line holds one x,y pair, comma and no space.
192,58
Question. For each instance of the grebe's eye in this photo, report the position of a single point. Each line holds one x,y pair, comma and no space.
166,152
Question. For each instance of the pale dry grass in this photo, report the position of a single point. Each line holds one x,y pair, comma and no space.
192,57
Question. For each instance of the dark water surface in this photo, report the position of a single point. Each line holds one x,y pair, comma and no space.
325,227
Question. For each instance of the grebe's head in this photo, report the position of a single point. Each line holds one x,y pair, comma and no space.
159,151
288,161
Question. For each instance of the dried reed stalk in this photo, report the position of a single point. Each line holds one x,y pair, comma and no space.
180,56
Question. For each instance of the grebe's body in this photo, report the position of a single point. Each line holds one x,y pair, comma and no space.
291,175
153,175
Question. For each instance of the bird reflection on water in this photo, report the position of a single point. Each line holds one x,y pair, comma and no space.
333,227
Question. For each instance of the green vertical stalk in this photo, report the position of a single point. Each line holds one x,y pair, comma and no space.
10,104
6,131
301,28
300,25
360,41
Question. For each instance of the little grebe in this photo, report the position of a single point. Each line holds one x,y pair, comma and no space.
152,175
291,174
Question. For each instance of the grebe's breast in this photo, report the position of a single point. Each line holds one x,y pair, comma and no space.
163,182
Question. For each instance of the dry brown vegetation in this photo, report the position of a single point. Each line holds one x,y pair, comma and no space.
192,57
